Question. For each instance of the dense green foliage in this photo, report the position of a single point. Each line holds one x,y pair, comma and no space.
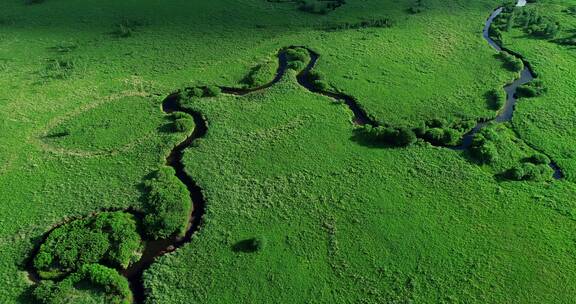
100,279
109,237
182,122
496,98
297,58
167,205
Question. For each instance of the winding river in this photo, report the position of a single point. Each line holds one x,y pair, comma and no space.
172,104
507,112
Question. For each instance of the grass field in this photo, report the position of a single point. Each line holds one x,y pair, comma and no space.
81,127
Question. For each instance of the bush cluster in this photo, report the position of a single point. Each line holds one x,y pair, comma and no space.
30,2
511,62
167,205
571,10
483,147
528,19
496,99
441,133
317,79
259,75
319,7
537,25
109,280
200,92
570,41
417,7
297,58
394,136
109,237
534,88
373,23
529,171
182,122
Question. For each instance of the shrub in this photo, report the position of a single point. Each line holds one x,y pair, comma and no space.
529,172
371,23
515,173
436,123
109,280
496,99
183,125
405,137
539,159
317,80
483,147
451,137
212,91
570,41
109,237
167,205
250,245
195,92
297,58
417,7
259,75
126,28
400,137
258,243
435,136
534,88
30,2
512,62
420,130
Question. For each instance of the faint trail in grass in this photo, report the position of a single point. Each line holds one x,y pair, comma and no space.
38,138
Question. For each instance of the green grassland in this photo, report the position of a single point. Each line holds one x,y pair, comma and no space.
347,223
81,127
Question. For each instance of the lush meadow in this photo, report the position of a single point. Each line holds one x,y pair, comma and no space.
298,209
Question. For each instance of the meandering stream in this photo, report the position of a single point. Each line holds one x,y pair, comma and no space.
507,112
172,104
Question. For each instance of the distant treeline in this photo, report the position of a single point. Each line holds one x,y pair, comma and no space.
374,23
314,6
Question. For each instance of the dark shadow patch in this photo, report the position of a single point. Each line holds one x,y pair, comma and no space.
249,245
